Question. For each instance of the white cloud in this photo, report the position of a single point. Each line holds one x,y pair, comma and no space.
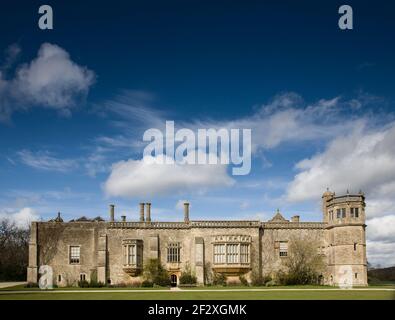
145,178
364,159
380,253
21,218
51,80
45,161
381,229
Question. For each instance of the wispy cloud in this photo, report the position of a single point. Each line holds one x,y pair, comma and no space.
44,160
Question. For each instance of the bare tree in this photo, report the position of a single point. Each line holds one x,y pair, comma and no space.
48,240
305,262
14,246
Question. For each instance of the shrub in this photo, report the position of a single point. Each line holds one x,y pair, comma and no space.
258,280
96,284
147,284
187,277
219,279
243,280
156,273
83,284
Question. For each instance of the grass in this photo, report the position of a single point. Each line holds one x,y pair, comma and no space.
207,293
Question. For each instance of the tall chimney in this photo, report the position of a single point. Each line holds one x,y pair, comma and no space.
148,216
141,212
295,219
186,212
112,212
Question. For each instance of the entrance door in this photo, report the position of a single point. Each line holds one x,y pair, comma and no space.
173,279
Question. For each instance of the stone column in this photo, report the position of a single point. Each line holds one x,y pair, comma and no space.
148,216
102,259
199,260
141,212
32,269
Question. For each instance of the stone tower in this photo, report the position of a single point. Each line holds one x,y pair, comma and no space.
345,238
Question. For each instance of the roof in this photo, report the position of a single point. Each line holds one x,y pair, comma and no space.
278,217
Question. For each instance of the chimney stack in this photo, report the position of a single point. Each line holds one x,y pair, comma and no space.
141,212
123,218
186,212
295,219
148,215
112,212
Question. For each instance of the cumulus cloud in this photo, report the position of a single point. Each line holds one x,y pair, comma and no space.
147,177
382,229
363,159
51,80
21,218
380,253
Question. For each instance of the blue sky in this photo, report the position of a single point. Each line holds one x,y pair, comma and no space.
75,101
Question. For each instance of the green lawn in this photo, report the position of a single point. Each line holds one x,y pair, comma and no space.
215,293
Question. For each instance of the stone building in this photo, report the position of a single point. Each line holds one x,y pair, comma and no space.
115,251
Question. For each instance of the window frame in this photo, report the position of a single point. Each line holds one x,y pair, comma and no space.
354,212
72,258
173,252
281,252
231,253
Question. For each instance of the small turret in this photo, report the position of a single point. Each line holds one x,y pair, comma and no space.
326,198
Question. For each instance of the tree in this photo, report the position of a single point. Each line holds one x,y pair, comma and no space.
14,248
304,264
48,240
155,273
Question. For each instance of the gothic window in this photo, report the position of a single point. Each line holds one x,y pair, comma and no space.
173,252
82,277
283,248
75,252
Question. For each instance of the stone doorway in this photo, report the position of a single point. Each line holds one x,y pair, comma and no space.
173,280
